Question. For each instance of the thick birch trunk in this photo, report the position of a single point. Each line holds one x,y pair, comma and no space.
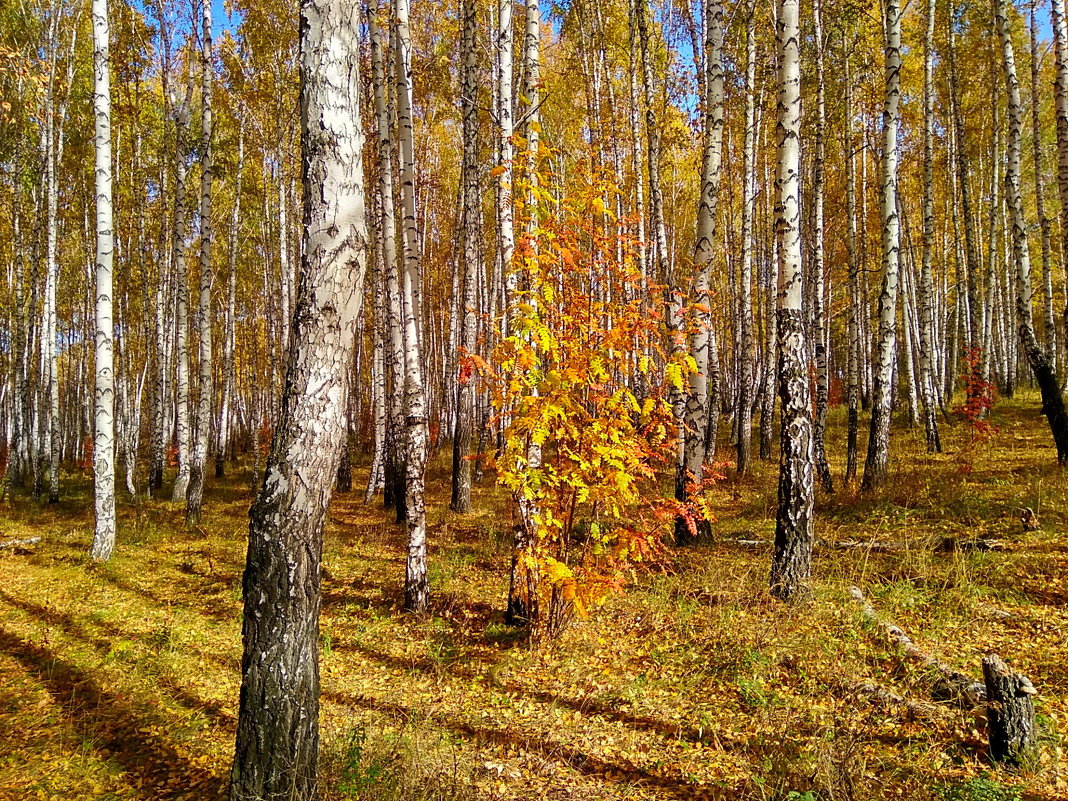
277,731
104,394
792,562
1049,324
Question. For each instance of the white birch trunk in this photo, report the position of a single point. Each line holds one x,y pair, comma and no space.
202,430
926,287
224,425
819,325
698,426
747,357
877,463
416,585
792,562
1060,71
276,753
181,481
104,394
394,491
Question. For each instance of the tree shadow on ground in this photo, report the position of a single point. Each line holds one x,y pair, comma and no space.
75,629
115,726
619,771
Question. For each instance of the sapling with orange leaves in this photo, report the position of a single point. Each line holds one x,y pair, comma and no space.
592,508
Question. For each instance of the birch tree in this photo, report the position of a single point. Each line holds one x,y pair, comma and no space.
181,345
277,731
819,326
1049,324
877,463
104,395
1060,90
395,473
223,427
472,208
926,288
698,423
1037,358
745,279
202,431
792,560
852,246
416,584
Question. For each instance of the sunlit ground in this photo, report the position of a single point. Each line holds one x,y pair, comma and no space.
120,681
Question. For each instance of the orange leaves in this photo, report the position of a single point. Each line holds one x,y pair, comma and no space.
587,403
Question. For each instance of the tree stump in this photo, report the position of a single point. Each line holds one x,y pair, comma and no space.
1011,712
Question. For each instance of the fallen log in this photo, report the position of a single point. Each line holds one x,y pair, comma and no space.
881,696
943,545
952,685
20,543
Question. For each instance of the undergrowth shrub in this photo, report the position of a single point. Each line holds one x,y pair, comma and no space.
979,396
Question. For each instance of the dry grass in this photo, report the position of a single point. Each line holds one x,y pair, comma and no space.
120,681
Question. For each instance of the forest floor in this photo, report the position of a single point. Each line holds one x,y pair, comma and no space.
120,681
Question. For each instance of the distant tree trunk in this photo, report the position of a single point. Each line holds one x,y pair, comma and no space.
819,325
285,269
20,342
971,253
181,481
203,422
745,281
877,463
376,476
1060,52
277,746
698,425
104,395
853,330
222,440
416,585
472,212
636,148
343,480
49,439
792,562
926,288
1050,327
158,435
506,234
393,493
1045,376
